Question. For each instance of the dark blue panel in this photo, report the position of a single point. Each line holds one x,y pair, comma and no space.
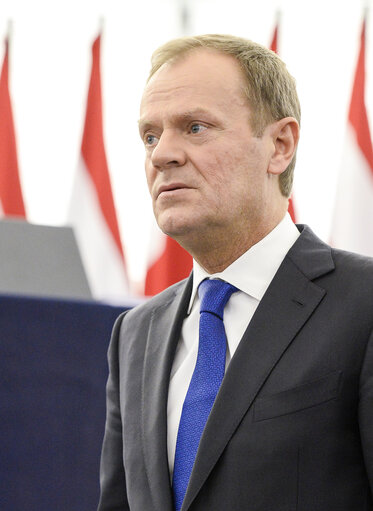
53,372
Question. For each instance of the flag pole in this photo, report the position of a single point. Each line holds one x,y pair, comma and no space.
101,25
184,17
10,28
278,16
9,36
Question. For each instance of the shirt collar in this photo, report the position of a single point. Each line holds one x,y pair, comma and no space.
253,271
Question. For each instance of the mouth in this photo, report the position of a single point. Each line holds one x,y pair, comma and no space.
173,187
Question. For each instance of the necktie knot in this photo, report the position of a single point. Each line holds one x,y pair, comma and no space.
214,295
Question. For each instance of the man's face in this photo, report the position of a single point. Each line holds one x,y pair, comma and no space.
206,171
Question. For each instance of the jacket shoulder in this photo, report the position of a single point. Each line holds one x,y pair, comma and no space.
143,310
355,271
352,260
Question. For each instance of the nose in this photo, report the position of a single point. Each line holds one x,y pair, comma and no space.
169,151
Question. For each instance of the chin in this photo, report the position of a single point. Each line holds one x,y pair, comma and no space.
175,231
174,226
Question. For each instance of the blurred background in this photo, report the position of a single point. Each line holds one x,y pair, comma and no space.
74,121
49,71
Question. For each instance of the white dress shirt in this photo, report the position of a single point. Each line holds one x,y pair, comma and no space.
251,274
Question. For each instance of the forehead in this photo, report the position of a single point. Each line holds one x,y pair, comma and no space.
201,78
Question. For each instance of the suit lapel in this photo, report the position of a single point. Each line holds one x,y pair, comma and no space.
163,335
288,303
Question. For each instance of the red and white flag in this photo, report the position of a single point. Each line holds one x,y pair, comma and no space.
92,211
274,43
352,227
274,46
169,263
11,200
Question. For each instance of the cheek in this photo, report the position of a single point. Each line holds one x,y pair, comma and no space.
238,182
149,174
227,172
217,167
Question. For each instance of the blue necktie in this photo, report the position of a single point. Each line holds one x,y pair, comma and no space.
206,380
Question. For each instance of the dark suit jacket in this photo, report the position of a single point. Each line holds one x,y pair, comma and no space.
292,426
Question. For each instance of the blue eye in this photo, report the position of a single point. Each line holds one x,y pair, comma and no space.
150,139
197,128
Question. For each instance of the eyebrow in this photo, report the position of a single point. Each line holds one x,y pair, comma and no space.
184,116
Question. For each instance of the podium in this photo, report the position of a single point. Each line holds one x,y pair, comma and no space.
53,371
41,260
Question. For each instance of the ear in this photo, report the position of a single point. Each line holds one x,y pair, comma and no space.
285,136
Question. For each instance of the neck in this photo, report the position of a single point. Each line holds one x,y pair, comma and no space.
216,252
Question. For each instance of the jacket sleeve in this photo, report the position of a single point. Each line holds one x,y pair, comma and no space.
112,476
366,410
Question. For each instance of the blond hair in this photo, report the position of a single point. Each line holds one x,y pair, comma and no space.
270,89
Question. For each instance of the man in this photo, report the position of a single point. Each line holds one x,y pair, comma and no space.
291,426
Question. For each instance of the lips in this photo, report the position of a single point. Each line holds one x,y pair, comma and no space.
171,188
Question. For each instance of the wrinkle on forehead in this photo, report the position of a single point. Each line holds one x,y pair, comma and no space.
201,74
181,104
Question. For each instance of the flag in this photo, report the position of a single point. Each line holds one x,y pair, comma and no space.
92,211
274,43
11,200
274,47
352,226
169,264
